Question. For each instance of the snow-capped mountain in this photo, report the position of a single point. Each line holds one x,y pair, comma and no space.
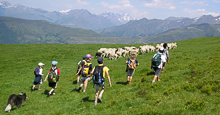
118,19
4,4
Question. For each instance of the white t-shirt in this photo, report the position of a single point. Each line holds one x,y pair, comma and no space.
163,59
40,71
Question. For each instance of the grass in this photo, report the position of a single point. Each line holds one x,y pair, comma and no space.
189,85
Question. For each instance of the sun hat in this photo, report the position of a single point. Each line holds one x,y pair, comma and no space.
88,56
54,62
133,53
100,60
40,64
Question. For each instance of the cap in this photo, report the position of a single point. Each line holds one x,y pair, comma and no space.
84,57
40,64
100,60
161,49
88,56
54,62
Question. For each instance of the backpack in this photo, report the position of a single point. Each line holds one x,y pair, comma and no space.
85,69
36,71
131,63
52,77
98,75
156,60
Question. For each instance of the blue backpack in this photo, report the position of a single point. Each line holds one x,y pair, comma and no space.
37,71
98,75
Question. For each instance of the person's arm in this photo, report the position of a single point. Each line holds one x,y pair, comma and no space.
167,57
46,77
92,73
110,85
78,71
58,72
137,63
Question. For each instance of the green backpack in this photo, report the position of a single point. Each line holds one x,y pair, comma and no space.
52,77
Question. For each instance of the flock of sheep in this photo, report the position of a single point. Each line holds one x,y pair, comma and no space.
115,53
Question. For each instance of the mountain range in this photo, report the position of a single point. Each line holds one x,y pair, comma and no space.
146,27
21,31
70,18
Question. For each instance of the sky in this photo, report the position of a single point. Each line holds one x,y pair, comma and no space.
150,9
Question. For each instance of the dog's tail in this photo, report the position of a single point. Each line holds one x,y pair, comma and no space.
8,108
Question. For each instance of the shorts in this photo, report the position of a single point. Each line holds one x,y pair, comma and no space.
37,81
102,85
157,71
130,72
85,78
53,85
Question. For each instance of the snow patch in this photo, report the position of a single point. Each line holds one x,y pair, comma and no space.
65,11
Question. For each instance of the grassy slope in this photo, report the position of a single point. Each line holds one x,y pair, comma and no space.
189,85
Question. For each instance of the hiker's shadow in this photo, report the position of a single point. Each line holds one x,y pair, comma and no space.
123,83
151,73
76,90
86,99
45,92
75,82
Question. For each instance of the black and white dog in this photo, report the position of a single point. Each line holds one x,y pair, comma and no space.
15,100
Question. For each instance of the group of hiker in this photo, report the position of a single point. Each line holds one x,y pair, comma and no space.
98,73
52,76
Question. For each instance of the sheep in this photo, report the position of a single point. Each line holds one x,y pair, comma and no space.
98,54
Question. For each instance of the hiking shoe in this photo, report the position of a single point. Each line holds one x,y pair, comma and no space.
100,100
48,94
39,89
158,80
53,93
79,89
32,89
95,103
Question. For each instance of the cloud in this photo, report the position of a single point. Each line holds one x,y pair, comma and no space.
82,2
200,12
123,1
123,5
165,4
195,3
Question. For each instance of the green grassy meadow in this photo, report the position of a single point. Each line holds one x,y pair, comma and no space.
190,83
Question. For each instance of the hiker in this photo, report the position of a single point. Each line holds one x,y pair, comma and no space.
166,53
100,70
157,63
38,76
79,65
53,77
131,62
86,68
